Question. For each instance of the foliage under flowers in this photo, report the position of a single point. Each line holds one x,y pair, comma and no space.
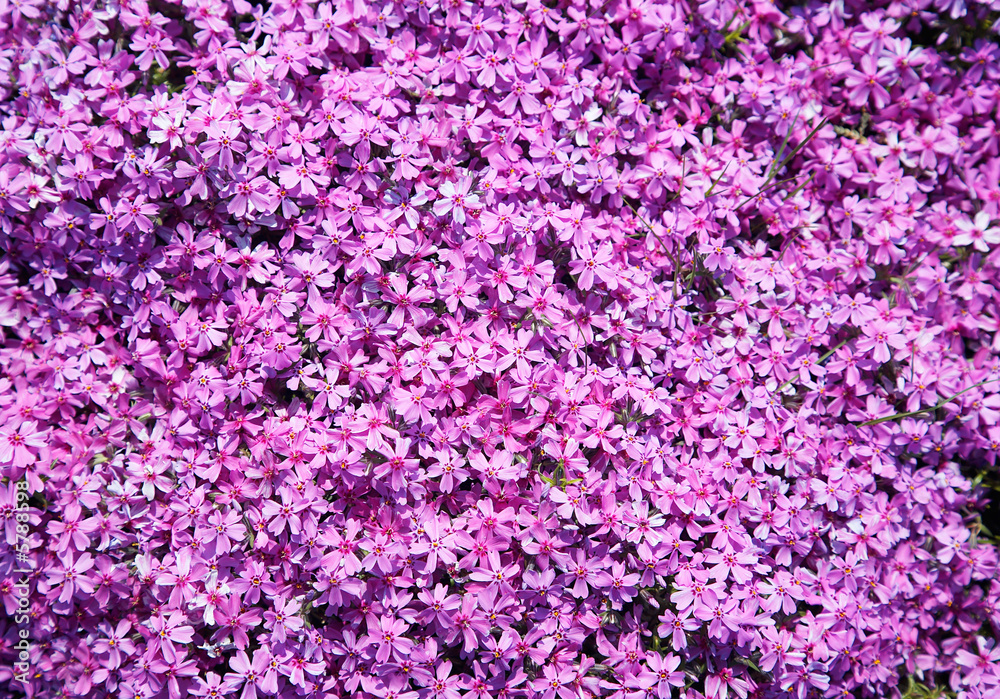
448,349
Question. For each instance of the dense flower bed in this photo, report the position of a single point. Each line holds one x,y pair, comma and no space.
439,349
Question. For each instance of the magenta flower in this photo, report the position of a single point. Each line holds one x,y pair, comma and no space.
16,443
284,514
115,643
591,265
978,233
220,531
979,665
555,682
880,336
248,675
71,578
429,349
212,686
283,620
170,630
389,638
496,574
256,195
866,84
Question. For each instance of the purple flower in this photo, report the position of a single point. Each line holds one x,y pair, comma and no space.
389,638
425,349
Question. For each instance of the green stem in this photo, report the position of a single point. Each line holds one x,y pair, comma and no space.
898,416
778,166
712,188
660,240
737,34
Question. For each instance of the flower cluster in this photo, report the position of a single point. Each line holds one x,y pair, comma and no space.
430,349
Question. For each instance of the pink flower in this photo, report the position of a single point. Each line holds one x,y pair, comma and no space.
388,636
591,265
283,619
978,233
979,666
879,336
456,199
170,630
554,682
866,84
247,674
17,444
116,643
